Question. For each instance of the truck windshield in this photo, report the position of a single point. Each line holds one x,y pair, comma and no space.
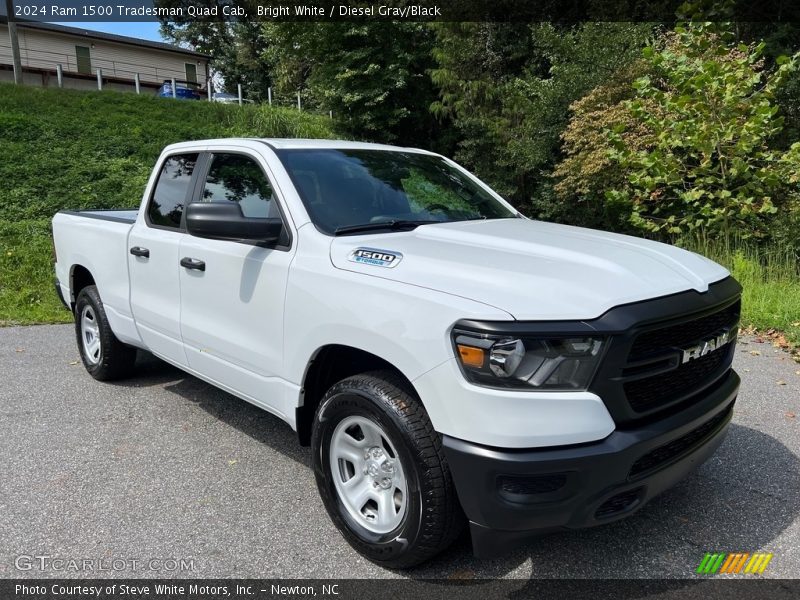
355,191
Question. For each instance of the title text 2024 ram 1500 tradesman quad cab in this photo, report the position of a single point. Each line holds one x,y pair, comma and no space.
443,355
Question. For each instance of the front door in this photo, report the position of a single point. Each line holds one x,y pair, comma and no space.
153,259
232,293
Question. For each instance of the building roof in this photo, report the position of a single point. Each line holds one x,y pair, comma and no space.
109,37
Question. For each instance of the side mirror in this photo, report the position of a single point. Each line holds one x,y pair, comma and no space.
225,221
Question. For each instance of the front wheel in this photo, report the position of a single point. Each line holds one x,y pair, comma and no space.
381,471
103,355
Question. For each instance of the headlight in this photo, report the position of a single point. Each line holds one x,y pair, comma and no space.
528,362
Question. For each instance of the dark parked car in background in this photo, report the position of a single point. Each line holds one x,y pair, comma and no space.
184,90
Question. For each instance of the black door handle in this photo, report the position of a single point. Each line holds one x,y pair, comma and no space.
193,263
139,251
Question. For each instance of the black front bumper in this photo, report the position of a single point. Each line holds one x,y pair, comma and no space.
509,495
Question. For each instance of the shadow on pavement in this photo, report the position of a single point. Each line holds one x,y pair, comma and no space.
744,497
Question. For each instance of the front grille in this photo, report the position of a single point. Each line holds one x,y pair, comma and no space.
529,485
657,347
650,393
663,454
619,503
685,334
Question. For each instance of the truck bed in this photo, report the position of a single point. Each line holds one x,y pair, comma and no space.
96,242
127,215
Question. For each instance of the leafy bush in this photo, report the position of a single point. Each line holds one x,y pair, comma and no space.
708,108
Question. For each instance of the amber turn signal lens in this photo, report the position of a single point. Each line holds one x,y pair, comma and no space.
471,356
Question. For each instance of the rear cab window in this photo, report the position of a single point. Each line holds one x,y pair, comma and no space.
172,191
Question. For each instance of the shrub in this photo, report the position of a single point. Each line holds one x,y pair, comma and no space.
708,109
587,170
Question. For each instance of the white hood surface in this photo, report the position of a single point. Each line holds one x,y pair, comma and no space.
531,269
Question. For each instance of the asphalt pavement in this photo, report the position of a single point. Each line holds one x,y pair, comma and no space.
164,475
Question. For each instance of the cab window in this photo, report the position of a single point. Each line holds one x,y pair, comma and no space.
171,191
238,178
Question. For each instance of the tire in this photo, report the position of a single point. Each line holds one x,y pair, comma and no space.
414,516
103,355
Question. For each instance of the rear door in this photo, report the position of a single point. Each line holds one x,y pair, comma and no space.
154,260
232,293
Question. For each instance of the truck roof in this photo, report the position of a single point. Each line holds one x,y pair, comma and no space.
294,143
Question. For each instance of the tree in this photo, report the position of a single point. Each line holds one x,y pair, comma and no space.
708,107
508,88
476,67
235,47
372,75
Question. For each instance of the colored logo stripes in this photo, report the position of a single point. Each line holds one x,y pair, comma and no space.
734,562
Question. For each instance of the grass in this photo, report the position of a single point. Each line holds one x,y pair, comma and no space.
770,279
27,294
76,149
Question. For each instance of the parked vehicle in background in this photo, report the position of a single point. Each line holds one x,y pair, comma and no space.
442,354
184,90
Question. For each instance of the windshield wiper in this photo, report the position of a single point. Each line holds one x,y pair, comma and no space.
397,225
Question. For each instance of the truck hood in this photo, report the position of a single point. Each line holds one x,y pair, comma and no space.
531,269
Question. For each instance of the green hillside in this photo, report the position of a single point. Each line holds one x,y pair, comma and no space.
74,149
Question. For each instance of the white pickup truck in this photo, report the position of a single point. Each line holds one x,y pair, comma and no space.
448,360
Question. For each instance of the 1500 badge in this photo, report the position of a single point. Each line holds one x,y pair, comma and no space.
377,258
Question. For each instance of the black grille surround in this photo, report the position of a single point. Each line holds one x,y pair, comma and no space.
661,377
642,378
678,335
650,393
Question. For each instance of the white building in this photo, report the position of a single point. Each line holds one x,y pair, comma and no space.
80,53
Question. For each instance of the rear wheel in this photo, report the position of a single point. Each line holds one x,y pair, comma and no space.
103,355
381,471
